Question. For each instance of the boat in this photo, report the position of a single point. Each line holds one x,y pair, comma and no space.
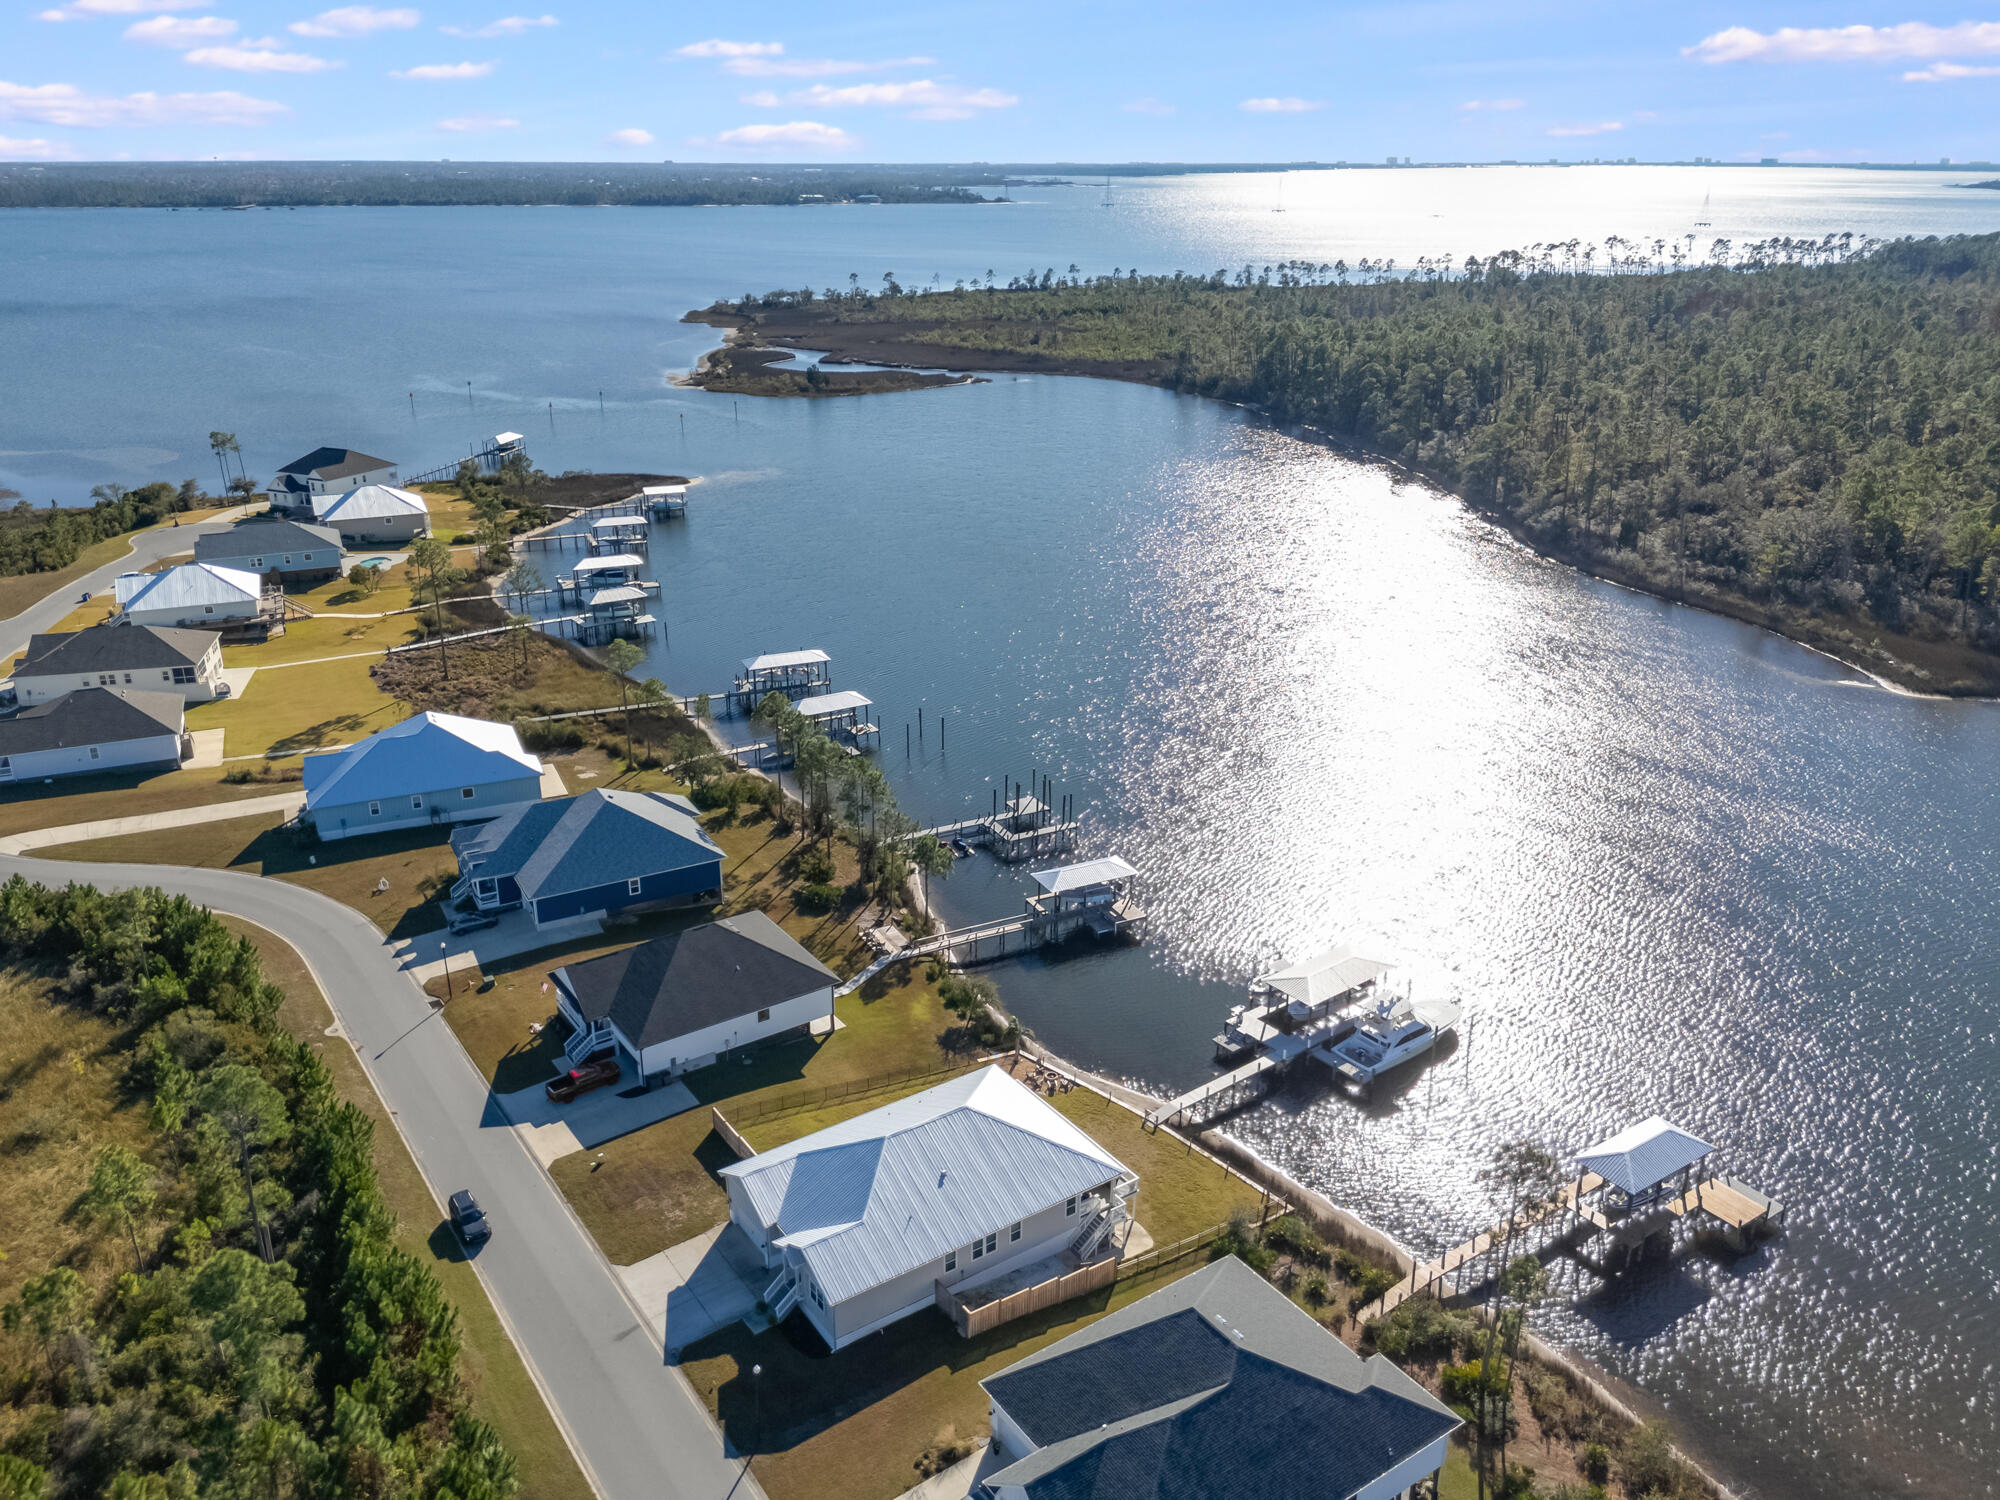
1396,1029
1301,1006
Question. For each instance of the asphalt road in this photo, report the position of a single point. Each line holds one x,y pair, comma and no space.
632,1419
147,548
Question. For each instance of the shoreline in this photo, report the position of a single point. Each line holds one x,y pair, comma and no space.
1878,664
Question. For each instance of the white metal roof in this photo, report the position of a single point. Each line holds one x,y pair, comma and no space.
1325,975
664,490
623,594
1644,1155
825,705
502,439
771,661
873,1198
617,523
187,586
370,502
621,560
422,754
1078,877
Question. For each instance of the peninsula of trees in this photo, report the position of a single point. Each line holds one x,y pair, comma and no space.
1805,435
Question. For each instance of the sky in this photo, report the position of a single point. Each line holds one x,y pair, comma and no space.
1151,80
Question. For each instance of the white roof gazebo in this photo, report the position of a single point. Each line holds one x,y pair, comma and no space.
1082,881
1642,1157
1326,976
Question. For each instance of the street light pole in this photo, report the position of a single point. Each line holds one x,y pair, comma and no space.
757,1403
444,953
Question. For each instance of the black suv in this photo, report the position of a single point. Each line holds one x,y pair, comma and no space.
471,1224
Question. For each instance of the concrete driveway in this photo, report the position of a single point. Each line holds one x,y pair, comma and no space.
633,1421
551,1131
698,1286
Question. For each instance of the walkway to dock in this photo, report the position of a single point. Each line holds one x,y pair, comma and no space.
1254,1073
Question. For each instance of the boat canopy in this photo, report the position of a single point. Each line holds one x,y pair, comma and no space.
620,560
827,705
1320,978
1066,878
618,523
623,595
1644,1155
775,661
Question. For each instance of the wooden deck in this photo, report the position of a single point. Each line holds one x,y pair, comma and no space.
1721,1199
1429,1276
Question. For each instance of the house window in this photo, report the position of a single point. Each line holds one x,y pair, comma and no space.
632,889
985,1247
468,792
208,609
818,1301
93,752
1014,1234
288,562
107,679
183,674
374,809
128,679
764,1014
257,563
978,1249
417,802
951,1260
6,768
1069,1209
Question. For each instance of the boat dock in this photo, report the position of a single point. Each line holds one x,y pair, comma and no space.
798,674
1026,828
1631,1193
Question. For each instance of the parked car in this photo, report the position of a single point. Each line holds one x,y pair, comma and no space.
472,1225
594,1074
472,921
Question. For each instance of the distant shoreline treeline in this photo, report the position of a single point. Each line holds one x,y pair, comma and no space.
199,185
1806,434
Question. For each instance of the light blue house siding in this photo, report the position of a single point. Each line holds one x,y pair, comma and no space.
693,880
454,804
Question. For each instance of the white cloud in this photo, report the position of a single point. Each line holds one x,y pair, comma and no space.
925,99
1280,106
440,72
763,99
505,26
631,137
1912,39
1601,129
1478,104
1147,107
807,135
355,20
66,104
254,59
180,32
716,47
1944,72
14,148
816,67
464,123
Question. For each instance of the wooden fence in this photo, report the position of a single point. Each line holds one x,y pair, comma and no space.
731,1137
973,1321
796,1100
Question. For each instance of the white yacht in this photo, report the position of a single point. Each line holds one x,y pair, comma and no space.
1395,1030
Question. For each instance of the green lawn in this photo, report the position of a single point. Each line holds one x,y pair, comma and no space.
20,590
117,794
502,1392
291,710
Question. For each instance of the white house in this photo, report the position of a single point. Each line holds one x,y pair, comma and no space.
327,471
434,768
192,594
295,551
866,1221
187,663
93,729
681,1001
1213,1388
374,513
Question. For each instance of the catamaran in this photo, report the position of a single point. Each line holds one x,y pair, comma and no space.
1394,1030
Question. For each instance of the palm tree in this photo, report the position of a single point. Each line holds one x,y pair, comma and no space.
931,857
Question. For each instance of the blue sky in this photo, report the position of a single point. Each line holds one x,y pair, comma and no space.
1433,79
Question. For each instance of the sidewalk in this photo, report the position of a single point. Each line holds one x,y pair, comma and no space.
183,817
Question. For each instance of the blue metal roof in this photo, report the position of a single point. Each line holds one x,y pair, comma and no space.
425,754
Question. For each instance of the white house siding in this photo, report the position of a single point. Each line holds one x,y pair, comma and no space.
1013,1442
322,559
75,760
1412,1470
377,530
698,1048
446,805
193,616
208,681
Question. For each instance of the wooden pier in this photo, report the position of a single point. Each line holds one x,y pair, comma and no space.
1022,830
1233,1088
799,674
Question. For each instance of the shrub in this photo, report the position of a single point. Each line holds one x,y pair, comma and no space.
818,896
1315,1289
1596,1463
948,1449
551,738
1460,1383
1369,1280
1649,1462
1296,1238
816,865
1422,1328
1240,1240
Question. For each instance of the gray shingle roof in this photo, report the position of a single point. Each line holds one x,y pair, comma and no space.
335,463
91,716
114,648
700,976
1214,1388
261,537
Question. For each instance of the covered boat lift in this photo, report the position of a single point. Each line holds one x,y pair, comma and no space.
841,716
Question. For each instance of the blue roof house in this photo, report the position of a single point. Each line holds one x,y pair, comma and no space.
602,852
1217,1387
434,768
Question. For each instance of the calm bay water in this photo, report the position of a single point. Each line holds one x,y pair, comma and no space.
1671,863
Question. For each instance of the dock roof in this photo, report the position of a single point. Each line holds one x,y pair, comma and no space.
623,594
1644,1155
1325,975
1081,877
826,705
623,561
872,1198
772,661
617,523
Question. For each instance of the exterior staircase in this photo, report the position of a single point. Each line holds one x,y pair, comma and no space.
782,1295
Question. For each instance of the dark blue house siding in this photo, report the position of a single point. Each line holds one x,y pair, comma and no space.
690,881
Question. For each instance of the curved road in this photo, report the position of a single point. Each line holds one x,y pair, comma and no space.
147,547
632,1420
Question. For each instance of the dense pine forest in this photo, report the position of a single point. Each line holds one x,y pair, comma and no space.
1804,433
215,1307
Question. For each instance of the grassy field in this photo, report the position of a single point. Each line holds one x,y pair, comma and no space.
310,640
115,794
23,589
503,1393
288,710
855,1424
